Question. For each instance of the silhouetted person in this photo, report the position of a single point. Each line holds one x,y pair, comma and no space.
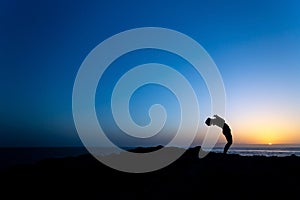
220,122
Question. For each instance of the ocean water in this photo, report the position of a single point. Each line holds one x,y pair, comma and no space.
263,150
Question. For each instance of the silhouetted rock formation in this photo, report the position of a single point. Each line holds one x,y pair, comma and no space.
145,149
215,176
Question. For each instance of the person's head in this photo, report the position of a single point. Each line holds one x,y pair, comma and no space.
208,121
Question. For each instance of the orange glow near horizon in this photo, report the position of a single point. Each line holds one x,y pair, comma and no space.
265,134
266,129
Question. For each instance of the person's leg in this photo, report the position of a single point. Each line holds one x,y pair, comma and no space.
226,147
229,143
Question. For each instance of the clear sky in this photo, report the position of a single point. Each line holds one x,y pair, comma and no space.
255,44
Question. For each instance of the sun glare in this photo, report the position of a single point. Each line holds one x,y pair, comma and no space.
270,143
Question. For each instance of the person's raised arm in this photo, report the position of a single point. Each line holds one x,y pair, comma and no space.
218,117
219,121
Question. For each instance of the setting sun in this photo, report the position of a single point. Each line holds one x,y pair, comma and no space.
266,127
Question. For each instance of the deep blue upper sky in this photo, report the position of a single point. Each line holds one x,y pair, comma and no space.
255,44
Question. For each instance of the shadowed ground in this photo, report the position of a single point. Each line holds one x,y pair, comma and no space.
215,176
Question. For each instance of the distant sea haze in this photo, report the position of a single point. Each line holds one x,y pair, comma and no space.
279,150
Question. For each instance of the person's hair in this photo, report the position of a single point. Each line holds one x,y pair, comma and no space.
208,121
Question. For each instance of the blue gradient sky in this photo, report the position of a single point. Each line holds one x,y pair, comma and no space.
255,44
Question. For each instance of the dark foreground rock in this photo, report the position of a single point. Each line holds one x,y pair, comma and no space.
212,177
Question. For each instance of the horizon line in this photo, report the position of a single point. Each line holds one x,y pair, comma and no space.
154,145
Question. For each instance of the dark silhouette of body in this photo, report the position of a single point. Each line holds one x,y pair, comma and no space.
220,122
